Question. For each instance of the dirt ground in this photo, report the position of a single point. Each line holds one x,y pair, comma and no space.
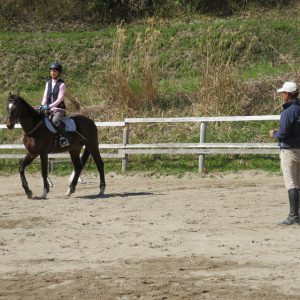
195,237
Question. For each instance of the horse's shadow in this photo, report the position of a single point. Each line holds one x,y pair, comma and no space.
113,195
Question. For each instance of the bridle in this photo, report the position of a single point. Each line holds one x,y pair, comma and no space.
11,120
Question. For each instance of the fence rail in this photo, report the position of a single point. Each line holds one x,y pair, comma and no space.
202,148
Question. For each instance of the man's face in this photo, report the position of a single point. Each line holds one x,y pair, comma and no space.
285,96
54,73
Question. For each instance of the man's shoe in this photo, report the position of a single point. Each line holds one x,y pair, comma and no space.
289,221
293,216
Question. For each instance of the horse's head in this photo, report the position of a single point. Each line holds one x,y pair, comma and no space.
13,110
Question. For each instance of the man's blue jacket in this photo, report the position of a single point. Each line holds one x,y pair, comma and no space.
288,134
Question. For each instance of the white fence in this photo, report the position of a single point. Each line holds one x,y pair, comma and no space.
123,150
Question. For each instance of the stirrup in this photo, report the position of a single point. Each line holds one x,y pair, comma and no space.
63,142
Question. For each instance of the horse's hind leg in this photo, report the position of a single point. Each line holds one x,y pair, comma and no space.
77,164
23,164
100,166
83,160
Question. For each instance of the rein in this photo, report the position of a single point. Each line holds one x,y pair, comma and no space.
34,129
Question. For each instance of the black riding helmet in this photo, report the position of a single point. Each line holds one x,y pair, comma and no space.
56,66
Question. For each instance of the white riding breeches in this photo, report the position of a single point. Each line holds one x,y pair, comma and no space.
290,167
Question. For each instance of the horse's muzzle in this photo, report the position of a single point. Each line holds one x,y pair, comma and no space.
10,125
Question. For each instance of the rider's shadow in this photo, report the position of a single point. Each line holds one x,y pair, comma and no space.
113,195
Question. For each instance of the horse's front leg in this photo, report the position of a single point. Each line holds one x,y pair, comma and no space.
23,164
44,166
100,166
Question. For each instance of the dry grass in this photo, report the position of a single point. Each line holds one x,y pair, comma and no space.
222,91
132,82
133,90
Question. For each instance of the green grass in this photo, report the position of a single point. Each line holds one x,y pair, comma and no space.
160,165
179,165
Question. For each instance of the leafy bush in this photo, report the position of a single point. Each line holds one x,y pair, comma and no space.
52,15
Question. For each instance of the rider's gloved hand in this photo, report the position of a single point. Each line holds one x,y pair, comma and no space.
45,107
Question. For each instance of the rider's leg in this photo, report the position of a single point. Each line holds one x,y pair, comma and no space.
56,119
289,165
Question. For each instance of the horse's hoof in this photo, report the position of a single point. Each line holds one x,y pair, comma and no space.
70,191
29,194
44,195
102,190
81,180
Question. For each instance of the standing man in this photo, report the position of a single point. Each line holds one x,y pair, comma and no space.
54,101
288,136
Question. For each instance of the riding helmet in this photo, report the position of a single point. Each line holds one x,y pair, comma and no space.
56,66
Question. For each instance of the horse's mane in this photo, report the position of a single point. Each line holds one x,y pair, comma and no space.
30,110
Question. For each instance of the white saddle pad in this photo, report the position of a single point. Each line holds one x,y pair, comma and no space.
69,124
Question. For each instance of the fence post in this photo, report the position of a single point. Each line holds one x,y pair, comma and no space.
50,165
125,142
202,140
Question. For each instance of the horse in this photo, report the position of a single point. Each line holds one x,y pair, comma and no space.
40,141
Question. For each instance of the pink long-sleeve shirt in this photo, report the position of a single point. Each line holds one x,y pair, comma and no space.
60,98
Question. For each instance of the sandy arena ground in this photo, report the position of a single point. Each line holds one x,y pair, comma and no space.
211,237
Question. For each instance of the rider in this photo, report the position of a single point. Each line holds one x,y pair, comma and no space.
54,100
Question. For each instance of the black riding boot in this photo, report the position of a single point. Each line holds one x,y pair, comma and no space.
298,206
293,216
63,141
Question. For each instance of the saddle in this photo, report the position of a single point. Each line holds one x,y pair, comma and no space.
70,124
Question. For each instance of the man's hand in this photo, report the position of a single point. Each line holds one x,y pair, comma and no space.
271,133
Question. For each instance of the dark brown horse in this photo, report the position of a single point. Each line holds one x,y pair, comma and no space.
39,141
